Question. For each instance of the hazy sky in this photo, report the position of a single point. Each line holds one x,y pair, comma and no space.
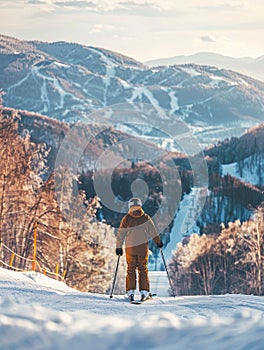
142,29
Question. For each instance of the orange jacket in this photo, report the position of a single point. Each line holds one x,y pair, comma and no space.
136,228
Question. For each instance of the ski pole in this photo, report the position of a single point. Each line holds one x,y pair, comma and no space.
113,286
164,262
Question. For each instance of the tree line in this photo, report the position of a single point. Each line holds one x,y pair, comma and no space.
80,245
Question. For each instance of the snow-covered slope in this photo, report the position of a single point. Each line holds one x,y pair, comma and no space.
250,169
39,313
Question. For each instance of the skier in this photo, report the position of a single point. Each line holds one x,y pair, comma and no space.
135,229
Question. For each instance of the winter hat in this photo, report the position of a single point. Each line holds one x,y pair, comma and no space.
134,202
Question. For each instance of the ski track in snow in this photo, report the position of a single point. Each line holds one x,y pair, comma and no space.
110,71
184,221
174,102
37,312
44,92
138,93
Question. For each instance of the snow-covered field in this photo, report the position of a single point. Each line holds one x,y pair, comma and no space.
39,313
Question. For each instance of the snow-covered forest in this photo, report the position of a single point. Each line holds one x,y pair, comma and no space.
231,262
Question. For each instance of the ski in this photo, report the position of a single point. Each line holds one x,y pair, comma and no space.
138,302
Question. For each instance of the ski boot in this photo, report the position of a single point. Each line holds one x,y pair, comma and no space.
144,295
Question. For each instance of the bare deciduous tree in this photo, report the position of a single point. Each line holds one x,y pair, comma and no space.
231,262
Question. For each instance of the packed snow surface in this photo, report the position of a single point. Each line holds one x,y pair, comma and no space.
37,312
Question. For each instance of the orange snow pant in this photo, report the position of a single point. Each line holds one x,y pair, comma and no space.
140,263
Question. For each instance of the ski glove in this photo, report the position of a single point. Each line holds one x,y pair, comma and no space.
119,251
160,244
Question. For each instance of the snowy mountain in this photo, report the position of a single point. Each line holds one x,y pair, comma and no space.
235,190
43,129
68,81
39,313
236,182
246,65
242,157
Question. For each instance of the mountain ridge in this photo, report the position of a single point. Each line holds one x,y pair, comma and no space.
68,81
245,65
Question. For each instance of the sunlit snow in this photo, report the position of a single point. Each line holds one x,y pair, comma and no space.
39,313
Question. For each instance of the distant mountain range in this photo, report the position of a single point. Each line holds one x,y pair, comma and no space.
68,82
253,67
